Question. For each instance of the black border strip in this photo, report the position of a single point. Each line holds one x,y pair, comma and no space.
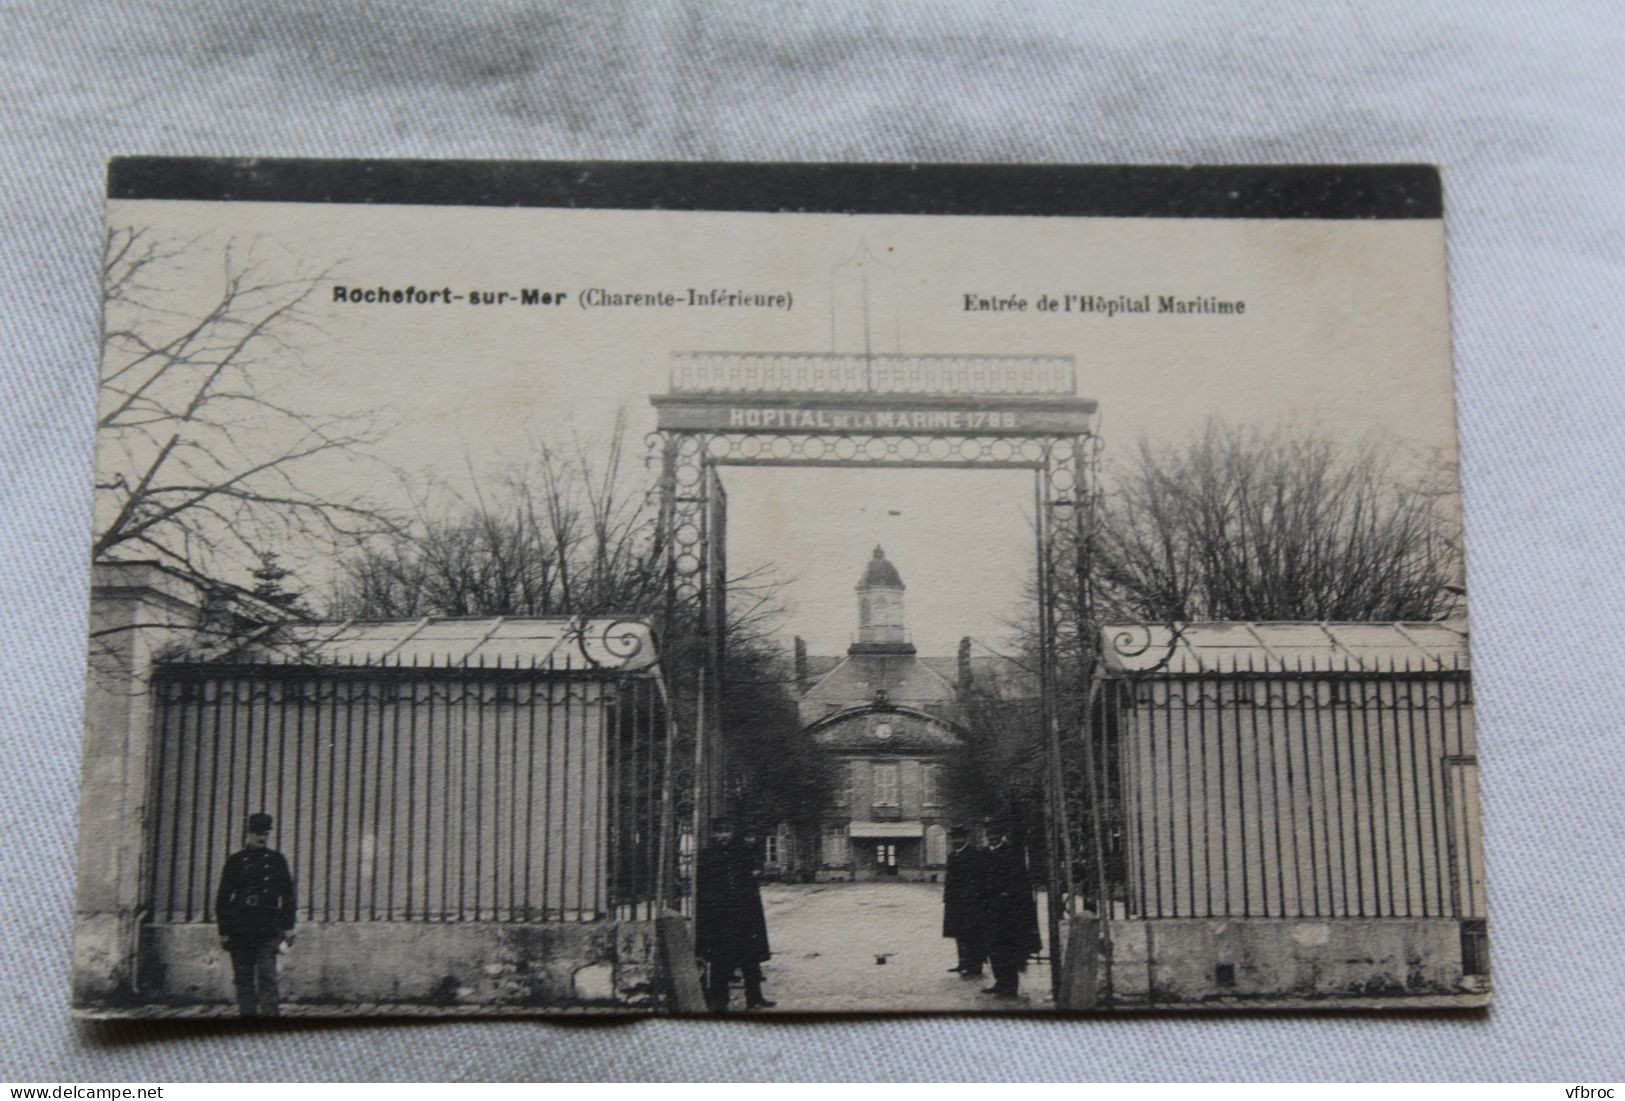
1237,191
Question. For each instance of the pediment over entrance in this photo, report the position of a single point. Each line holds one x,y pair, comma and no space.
885,729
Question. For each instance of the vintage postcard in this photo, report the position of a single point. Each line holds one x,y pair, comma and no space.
704,588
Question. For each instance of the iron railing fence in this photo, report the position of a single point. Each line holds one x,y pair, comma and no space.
415,793
1289,794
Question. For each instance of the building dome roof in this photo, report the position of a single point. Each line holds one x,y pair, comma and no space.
880,573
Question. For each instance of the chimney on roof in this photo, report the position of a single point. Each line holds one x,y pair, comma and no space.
803,680
964,664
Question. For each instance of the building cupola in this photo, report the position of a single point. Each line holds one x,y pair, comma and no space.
880,608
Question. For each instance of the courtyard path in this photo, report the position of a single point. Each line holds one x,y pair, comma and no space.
826,938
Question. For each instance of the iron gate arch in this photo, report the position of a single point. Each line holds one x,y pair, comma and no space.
881,412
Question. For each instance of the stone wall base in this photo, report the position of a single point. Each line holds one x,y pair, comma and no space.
456,966
1167,961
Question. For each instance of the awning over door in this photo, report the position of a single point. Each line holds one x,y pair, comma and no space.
886,829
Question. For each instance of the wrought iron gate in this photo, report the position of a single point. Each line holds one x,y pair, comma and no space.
880,411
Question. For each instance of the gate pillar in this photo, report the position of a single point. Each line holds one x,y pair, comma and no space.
136,610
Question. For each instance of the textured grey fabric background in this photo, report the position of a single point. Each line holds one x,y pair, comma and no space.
1522,104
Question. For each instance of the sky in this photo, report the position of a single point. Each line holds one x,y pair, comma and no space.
1345,331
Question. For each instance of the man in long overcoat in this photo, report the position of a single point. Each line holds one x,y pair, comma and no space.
254,912
730,927
1011,912
962,914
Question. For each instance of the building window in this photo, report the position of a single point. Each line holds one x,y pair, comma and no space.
936,845
772,851
931,781
885,785
835,846
845,784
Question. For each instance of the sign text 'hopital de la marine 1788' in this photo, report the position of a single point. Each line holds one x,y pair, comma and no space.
874,395
884,414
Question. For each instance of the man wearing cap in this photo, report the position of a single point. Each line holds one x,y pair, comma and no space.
254,911
730,928
1011,912
962,916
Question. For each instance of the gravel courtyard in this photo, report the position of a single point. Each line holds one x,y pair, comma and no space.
826,938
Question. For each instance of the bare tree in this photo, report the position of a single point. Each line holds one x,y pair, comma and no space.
571,535
203,462
1252,525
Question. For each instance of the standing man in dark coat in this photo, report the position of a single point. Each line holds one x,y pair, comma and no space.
962,916
254,911
1011,913
731,929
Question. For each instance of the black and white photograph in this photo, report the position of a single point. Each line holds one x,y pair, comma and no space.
758,590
